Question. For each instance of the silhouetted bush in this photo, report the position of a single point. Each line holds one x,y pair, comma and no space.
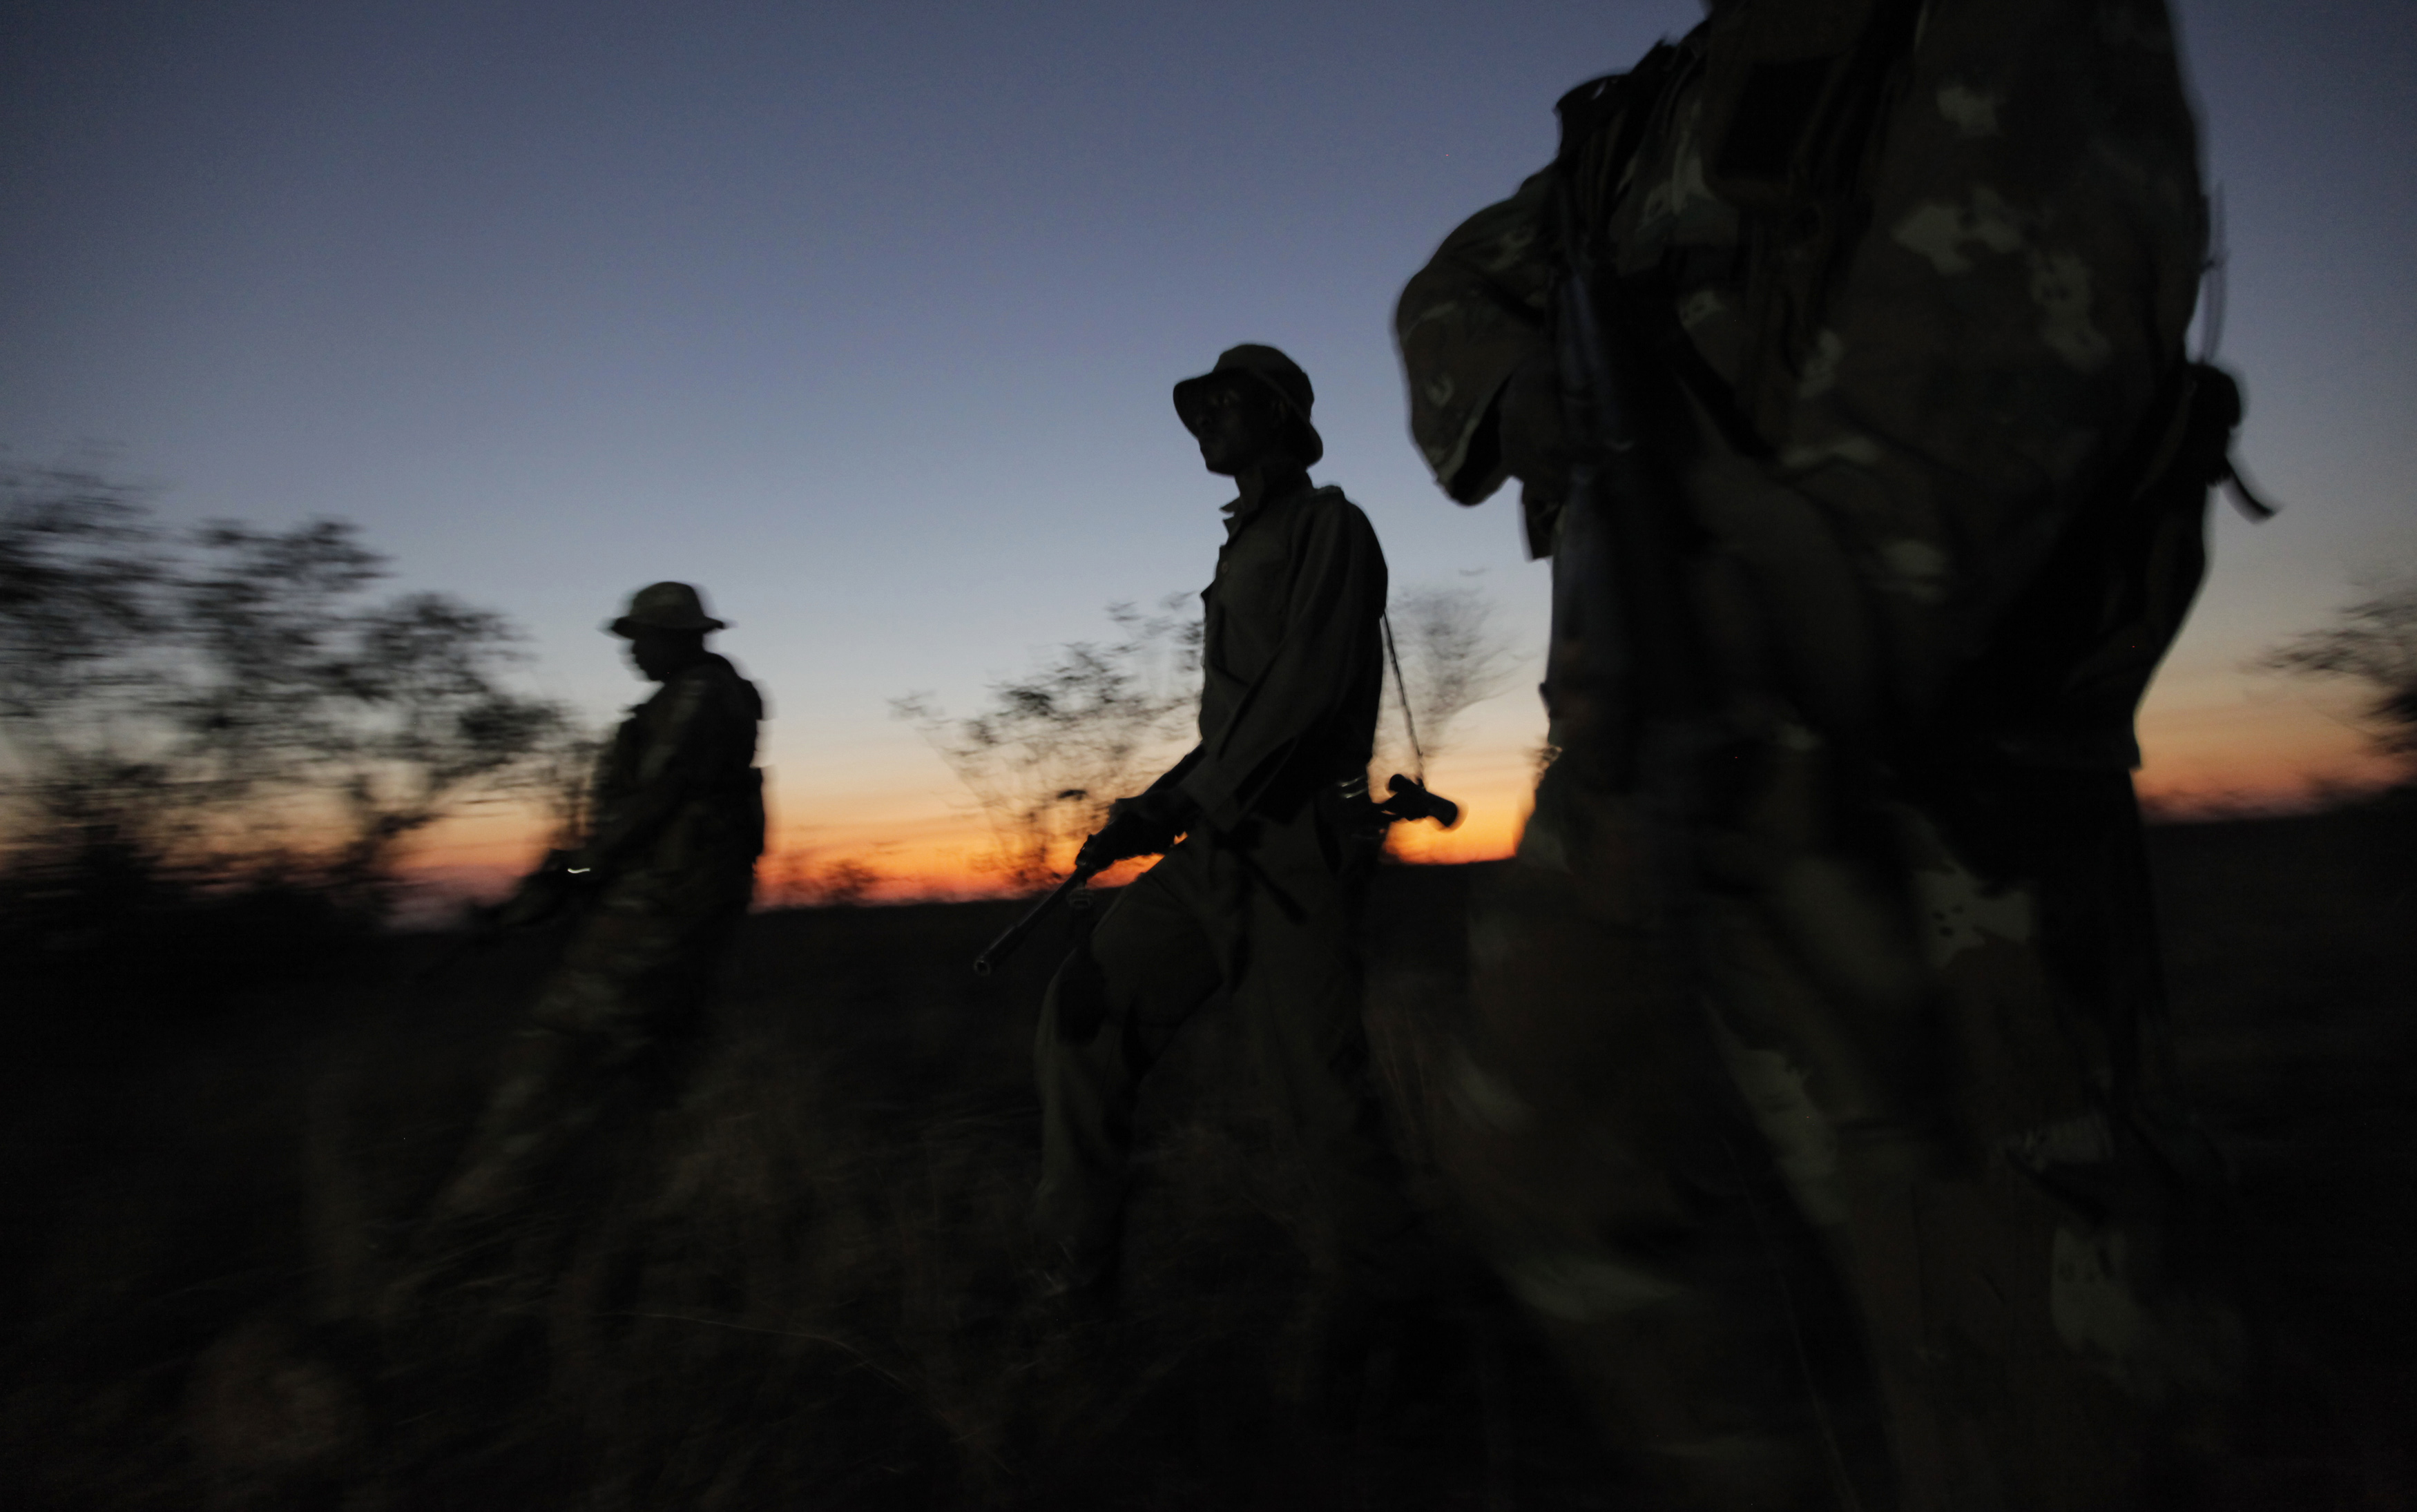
213,744
2372,642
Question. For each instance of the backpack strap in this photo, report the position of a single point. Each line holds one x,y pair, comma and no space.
1402,686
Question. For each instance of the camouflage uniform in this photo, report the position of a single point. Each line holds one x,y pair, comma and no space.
1943,469
679,821
1262,898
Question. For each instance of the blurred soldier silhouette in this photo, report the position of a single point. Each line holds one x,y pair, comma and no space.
1840,354
661,882
1262,894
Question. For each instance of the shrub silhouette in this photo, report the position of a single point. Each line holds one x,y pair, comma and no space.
188,717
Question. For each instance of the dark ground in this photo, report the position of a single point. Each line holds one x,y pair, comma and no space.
799,1289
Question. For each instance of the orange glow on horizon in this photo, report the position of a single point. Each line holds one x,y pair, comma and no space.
2231,750
2255,746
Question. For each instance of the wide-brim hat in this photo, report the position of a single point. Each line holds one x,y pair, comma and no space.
665,605
1271,371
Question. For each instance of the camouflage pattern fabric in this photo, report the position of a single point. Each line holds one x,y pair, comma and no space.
678,824
1978,360
1905,917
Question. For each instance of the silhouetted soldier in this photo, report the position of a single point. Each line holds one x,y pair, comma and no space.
1841,353
1263,893
662,879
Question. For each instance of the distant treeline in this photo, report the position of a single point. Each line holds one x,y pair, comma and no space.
198,718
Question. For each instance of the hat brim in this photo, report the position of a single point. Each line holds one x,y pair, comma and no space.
627,629
1302,440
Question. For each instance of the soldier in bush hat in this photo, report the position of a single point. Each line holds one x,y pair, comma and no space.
665,605
1267,849
661,876
1267,372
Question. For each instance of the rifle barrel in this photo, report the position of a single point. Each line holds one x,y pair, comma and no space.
1013,936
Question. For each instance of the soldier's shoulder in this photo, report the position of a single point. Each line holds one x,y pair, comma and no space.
1328,499
1329,507
715,680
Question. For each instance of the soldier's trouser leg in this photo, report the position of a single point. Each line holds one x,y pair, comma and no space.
613,1030
553,1087
1110,1013
2023,1313
2009,1284
1298,986
1619,1188
1264,912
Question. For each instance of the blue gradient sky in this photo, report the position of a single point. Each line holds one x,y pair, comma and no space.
864,317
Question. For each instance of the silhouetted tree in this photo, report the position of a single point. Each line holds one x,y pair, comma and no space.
220,703
2373,642
795,877
81,578
1097,720
1452,658
1057,746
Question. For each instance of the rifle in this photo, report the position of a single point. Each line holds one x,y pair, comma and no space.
1409,799
543,895
1071,892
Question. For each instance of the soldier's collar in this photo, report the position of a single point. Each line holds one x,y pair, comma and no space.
1232,508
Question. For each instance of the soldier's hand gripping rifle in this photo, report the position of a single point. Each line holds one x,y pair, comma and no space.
1407,800
1144,826
544,895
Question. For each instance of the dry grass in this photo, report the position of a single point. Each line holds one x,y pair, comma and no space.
800,1287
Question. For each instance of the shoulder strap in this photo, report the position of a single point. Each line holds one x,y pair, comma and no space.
1402,686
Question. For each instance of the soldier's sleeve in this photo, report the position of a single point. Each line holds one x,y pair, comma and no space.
1330,621
1464,323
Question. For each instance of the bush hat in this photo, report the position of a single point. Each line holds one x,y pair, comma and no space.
1272,371
664,606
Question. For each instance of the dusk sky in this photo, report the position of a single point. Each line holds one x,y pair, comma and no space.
863,318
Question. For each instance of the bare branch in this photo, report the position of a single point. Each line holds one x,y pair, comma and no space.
181,696
2372,642
1452,657
1055,747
